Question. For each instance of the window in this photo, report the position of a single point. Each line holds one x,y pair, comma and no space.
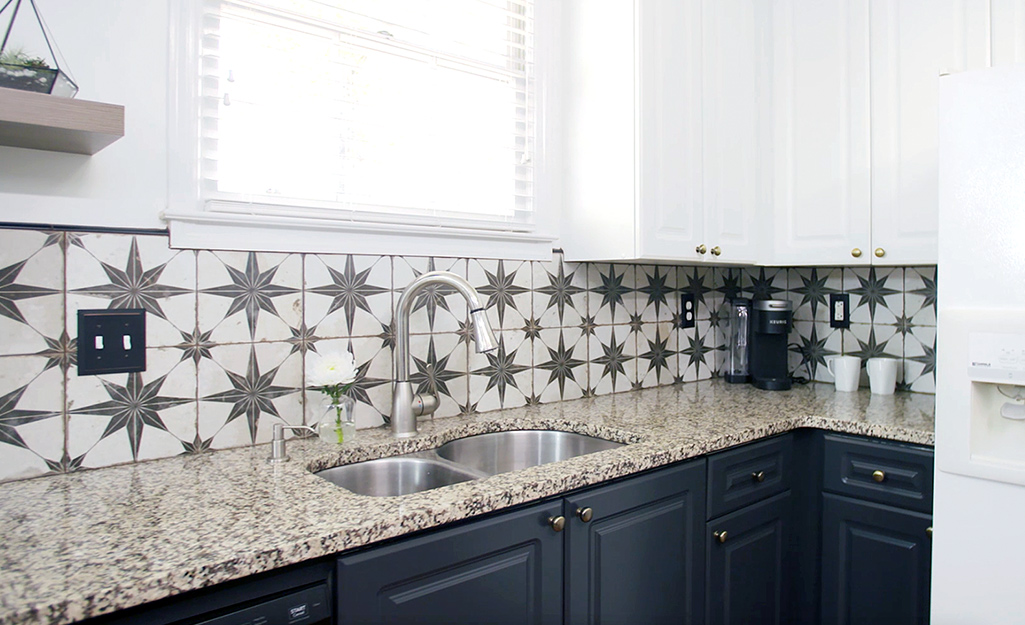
361,115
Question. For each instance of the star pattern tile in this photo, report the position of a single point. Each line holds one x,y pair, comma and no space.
134,286
658,354
813,291
872,291
561,364
696,349
11,417
813,350
432,297
195,345
730,287
432,374
303,339
251,291
501,290
656,288
349,290
133,407
560,289
763,286
612,289
11,292
613,359
501,371
60,352
251,395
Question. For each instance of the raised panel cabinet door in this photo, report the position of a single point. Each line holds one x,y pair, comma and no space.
822,169
736,126
639,558
668,156
875,563
912,43
503,570
748,554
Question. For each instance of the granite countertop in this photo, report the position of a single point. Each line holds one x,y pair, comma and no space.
90,543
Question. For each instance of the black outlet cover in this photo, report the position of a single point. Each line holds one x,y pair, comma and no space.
111,341
688,311
839,310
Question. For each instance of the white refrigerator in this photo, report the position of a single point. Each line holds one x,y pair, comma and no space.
978,573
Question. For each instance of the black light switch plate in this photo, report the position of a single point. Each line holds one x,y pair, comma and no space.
687,311
111,341
839,310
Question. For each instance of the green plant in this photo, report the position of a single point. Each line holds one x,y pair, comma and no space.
17,56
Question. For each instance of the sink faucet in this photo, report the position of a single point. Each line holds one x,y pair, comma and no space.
406,405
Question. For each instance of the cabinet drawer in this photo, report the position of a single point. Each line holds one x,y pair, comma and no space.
888,473
751,473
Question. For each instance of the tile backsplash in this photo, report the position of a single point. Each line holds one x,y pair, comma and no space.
228,334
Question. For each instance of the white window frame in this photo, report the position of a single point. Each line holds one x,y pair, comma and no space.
191,226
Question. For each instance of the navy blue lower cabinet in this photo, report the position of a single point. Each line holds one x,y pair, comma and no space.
502,570
634,550
875,563
749,554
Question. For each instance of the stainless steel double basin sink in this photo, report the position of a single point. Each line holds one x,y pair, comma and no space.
462,460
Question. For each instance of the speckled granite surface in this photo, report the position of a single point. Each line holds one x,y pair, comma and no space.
90,543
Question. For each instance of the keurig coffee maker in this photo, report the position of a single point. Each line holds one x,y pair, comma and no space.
770,327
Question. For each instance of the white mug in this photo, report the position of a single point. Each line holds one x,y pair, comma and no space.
882,375
846,372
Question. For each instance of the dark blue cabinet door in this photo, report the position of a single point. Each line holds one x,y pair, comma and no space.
503,570
875,563
749,565
639,559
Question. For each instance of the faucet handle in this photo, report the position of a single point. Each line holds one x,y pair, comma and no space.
277,443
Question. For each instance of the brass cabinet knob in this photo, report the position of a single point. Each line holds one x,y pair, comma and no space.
558,523
878,475
856,253
701,249
759,476
928,531
585,514
880,252
716,251
720,536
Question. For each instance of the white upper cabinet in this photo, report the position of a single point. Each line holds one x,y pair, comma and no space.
633,130
912,43
737,131
666,130
822,166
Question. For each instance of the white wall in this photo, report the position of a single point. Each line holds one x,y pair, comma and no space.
117,51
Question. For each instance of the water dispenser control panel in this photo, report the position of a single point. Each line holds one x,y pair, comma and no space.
996,358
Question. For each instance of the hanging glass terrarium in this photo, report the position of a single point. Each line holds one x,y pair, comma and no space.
21,64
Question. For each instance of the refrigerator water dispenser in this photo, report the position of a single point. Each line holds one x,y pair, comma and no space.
981,423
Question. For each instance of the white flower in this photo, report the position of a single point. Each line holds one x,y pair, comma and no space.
330,369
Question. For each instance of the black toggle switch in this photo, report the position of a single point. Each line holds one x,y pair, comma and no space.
111,341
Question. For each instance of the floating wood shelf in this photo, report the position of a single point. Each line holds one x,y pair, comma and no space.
44,122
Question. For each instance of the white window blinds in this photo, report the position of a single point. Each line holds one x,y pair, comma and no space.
392,111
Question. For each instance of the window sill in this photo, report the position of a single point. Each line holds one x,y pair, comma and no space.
290,234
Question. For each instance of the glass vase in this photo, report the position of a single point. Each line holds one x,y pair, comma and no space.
338,424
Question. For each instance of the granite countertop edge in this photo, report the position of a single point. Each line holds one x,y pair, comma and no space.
304,517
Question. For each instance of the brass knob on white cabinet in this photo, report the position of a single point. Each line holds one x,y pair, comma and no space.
716,251
856,252
701,249
880,252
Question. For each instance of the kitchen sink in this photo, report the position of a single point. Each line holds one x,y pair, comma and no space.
500,452
401,475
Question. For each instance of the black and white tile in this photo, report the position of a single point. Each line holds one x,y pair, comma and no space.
657,355
657,293
699,352
31,417
506,287
877,294
612,365
128,417
920,295
436,309
245,388
612,296
560,365
810,288
31,291
560,298
347,295
119,271
248,296
439,366
504,377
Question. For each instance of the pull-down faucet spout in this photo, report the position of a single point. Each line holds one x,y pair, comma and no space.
407,405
